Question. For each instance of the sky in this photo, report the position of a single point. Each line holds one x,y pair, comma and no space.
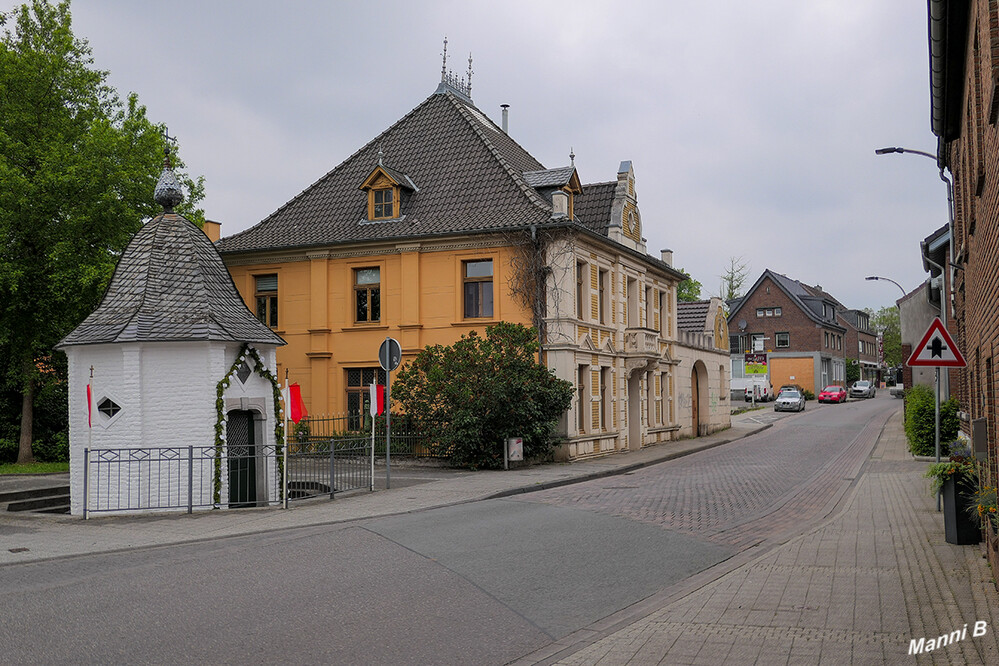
751,126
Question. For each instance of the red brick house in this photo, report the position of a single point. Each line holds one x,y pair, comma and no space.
798,326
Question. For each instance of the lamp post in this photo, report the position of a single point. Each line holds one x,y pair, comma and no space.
880,277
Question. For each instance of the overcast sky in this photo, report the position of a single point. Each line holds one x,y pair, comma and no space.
751,125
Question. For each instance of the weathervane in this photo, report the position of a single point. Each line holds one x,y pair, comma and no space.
444,64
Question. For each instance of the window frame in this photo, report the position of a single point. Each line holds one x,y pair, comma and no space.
391,203
479,281
266,300
369,289
786,338
357,414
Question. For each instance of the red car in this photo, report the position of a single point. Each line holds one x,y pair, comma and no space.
833,394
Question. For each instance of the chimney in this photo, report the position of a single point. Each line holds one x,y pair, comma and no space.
506,115
560,204
667,257
213,230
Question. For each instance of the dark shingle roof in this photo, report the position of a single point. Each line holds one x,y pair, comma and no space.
692,315
558,177
593,207
170,285
469,174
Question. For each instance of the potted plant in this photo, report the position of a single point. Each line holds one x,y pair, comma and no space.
957,481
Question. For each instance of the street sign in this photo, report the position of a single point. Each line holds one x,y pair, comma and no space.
389,354
936,349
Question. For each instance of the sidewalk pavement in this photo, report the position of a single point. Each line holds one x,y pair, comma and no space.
34,537
856,589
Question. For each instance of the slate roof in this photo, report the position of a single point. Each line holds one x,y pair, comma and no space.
558,177
593,207
809,299
170,285
692,316
469,174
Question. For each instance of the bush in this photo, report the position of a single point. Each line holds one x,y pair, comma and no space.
920,429
8,450
808,394
55,449
481,390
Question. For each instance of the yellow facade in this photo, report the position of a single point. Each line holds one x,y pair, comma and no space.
421,293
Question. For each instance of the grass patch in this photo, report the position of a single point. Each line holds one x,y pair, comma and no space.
34,468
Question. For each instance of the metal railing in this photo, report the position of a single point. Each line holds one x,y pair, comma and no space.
408,439
126,480
326,467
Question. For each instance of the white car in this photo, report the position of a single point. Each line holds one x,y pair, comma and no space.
862,389
766,392
790,400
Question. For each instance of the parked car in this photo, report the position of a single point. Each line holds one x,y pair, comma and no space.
897,391
833,394
766,392
790,400
790,387
862,389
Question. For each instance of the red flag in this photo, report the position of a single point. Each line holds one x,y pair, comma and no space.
89,404
298,411
381,399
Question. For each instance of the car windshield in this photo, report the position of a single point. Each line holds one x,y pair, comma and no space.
832,389
862,384
790,394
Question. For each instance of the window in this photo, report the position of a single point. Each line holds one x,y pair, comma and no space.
826,333
760,312
757,342
384,205
478,278
358,381
580,290
582,397
776,312
783,339
367,296
602,296
266,294
108,407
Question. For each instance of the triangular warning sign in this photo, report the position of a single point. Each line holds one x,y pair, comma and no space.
937,349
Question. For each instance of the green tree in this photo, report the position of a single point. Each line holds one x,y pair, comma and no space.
885,322
852,371
479,391
689,290
78,168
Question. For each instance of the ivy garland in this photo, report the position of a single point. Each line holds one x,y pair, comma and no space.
258,367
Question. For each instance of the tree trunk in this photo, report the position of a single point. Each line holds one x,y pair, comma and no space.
24,454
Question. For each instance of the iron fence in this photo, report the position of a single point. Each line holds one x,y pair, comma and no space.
408,438
328,466
180,477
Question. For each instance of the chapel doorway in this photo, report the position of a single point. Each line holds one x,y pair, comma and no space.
242,459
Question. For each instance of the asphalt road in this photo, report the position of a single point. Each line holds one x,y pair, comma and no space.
481,583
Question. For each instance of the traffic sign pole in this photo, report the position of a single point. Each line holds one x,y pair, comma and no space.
389,357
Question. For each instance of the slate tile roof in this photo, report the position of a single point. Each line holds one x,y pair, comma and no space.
692,316
593,207
468,171
170,285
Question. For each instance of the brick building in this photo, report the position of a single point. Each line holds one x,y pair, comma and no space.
798,326
964,86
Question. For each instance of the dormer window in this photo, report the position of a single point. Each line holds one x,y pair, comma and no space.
383,202
385,187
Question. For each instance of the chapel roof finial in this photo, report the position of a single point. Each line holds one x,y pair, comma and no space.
468,91
444,63
168,192
572,157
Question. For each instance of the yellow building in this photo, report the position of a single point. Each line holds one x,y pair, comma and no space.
443,224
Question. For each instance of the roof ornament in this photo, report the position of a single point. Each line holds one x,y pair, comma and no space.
168,192
381,156
469,89
572,157
451,82
444,64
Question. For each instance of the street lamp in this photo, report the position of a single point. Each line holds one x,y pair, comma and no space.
893,149
879,277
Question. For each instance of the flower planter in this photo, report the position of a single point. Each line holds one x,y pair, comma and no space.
959,527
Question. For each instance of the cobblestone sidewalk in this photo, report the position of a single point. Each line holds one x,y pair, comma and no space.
855,590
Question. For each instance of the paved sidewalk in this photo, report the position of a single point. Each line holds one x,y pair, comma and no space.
855,590
26,538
